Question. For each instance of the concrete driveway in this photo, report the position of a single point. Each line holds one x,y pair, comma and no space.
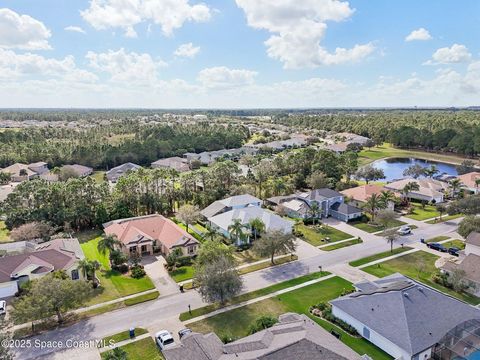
155,269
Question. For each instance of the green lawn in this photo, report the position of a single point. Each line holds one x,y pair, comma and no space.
124,335
182,273
342,245
113,284
235,323
444,218
371,228
437,239
317,237
424,213
459,244
254,294
420,266
98,176
378,256
4,233
190,231
144,349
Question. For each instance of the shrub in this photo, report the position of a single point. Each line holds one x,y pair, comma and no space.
262,323
326,313
137,272
121,268
184,261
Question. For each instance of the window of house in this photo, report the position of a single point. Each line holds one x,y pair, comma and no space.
191,249
133,249
75,275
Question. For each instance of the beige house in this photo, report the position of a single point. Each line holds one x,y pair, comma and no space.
429,189
22,172
359,195
469,181
176,163
145,235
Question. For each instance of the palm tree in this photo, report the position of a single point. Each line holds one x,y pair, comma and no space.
409,187
236,230
431,171
386,197
372,204
211,233
442,209
85,267
455,185
94,266
314,211
257,226
107,243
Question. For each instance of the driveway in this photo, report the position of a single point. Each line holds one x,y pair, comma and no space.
155,269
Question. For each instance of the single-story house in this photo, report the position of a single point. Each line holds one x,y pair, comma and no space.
353,138
359,195
404,318
469,181
230,203
176,163
208,157
330,203
58,254
293,337
6,190
429,189
145,234
21,172
79,170
470,265
272,221
472,243
117,172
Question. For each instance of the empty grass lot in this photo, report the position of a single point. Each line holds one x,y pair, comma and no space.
378,256
423,213
4,233
144,349
113,284
317,237
420,266
235,323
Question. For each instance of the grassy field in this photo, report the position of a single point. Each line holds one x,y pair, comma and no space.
371,228
420,266
342,245
235,323
144,349
459,244
254,294
367,156
423,213
444,218
113,284
378,256
4,233
124,335
437,239
317,238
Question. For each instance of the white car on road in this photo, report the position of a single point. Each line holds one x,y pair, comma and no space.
404,230
164,339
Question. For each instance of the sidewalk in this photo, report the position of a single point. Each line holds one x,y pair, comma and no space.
124,342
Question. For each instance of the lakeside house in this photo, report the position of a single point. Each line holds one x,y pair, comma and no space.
293,337
329,203
117,172
405,318
44,258
359,195
176,163
430,190
144,235
470,181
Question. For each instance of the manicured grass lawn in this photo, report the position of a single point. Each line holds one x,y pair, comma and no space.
235,323
144,349
371,228
378,256
254,294
459,244
124,335
420,266
342,245
317,237
437,239
182,273
420,213
245,256
113,284
98,176
142,298
190,231
4,233
445,218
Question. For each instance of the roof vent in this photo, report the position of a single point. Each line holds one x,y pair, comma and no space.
420,289
405,294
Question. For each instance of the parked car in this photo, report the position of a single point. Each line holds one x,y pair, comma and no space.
184,332
3,307
437,246
164,339
454,251
404,230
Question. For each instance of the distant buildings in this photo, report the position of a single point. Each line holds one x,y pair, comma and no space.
208,157
176,163
79,170
407,319
117,172
294,337
21,172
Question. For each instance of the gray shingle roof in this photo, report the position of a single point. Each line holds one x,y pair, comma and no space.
115,173
321,194
473,238
239,200
345,209
414,317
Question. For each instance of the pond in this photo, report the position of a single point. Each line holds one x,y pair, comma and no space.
394,167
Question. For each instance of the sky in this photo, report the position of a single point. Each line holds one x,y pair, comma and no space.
239,53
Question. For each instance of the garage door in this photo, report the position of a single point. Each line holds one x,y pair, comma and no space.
8,289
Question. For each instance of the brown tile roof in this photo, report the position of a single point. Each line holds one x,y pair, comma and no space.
363,192
469,179
148,228
471,266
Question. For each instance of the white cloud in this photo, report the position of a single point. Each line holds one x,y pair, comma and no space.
298,27
169,14
421,34
77,29
131,33
224,77
450,55
187,50
13,66
22,32
140,69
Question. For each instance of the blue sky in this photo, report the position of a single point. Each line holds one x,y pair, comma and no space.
239,53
